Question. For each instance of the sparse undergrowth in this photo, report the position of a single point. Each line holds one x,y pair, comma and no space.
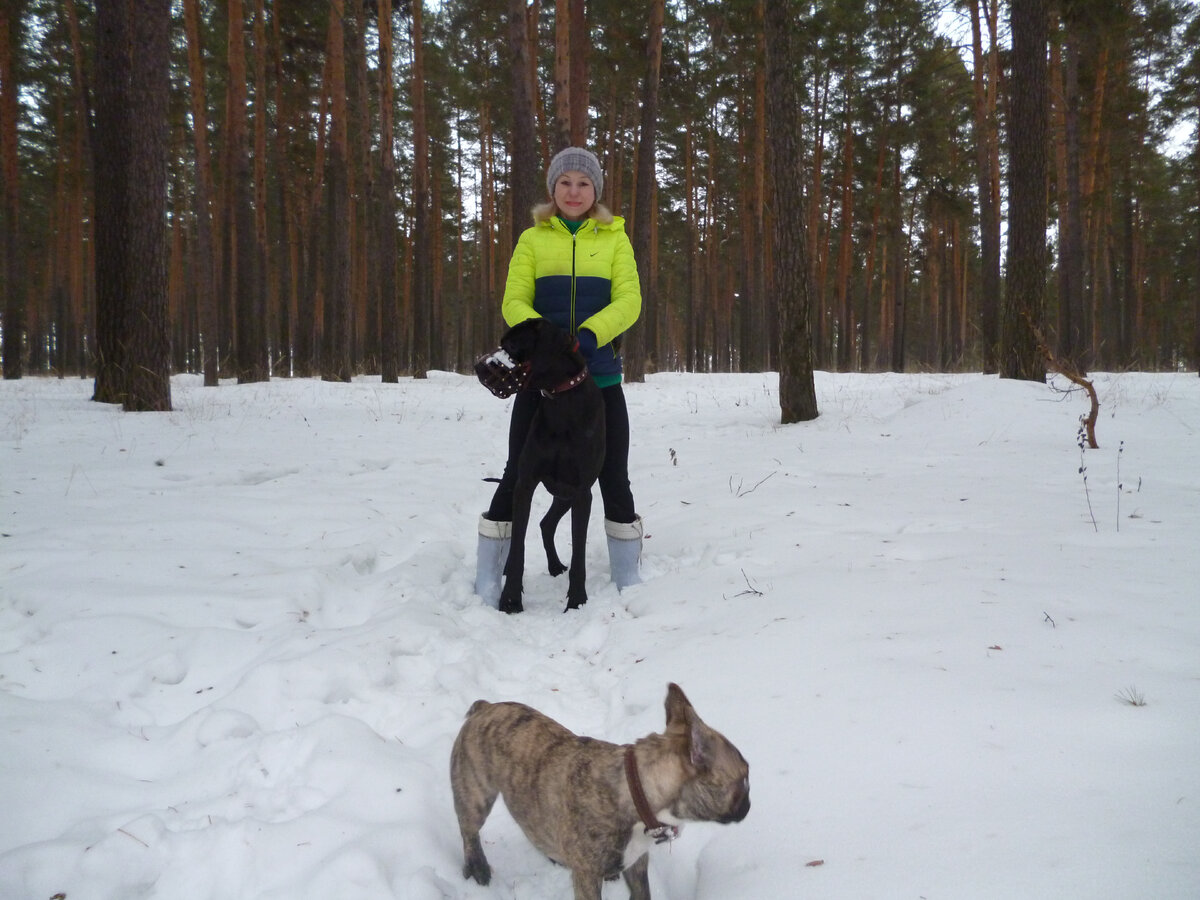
1131,696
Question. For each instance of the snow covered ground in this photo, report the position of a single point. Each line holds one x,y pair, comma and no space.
237,640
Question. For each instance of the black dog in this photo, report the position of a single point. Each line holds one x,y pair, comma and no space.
564,451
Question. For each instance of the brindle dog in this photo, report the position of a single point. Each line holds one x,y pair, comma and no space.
592,806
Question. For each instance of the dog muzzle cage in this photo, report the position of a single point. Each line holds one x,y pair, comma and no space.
500,373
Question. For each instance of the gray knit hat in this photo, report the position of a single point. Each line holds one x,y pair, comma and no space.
575,159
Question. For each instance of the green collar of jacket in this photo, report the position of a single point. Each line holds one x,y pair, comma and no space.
589,224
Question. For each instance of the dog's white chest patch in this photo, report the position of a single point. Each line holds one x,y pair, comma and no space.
641,843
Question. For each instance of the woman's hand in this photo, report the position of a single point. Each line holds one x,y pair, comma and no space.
587,342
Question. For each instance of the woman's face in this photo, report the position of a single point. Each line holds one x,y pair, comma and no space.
574,195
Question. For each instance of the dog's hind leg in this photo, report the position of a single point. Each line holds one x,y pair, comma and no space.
475,864
581,511
514,568
549,525
473,801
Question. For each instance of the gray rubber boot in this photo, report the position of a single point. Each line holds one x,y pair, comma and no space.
624,550
492,553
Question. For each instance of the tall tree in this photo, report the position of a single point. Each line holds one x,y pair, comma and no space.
1021,355
986,77
388,301
756,350
131,135
79,235
644,211
266,282
204,261
148,341
571,88
524,163
112,145
562,73
1194,68
335,360
12,276
1071,335
243,247
580,90
422,288
797,391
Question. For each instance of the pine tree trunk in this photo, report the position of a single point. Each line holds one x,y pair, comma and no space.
580,92
845,311
797,393
243,244
897,296
562,74
388,308
644,210
364,350
146,330
814,200
335,361
756,342
206,301
1097,215
422,237
112,150
81,238
13,278
987,168
310,314
1071,338
525,161
267,281
180,307
488,308
871,359
1020,356
285,185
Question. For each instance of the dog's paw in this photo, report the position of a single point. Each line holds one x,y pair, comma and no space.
479,870
575,602
511,605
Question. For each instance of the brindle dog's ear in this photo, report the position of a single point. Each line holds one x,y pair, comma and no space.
700,745
682,716
678,706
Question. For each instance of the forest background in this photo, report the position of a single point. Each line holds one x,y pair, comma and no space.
344,180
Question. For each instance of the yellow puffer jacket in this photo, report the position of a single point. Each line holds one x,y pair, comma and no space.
584,280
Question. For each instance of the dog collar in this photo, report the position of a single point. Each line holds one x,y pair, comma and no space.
573,382
659,832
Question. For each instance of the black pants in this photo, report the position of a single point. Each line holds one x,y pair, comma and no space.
614,476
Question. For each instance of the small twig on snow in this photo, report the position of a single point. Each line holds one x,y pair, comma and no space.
134,837
750,589
741,493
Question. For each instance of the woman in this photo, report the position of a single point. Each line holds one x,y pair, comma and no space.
574,266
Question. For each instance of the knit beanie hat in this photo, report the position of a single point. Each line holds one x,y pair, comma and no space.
575,159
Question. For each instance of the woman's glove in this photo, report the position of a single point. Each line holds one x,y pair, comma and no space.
587,342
